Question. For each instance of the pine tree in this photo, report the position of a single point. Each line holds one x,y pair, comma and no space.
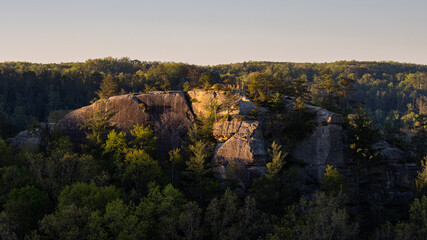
277,160
108,87
197,162
326,90
98,126
299,88
229,102
332,181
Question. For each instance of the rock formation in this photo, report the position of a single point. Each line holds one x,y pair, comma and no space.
240,143
325,146
168,114
201,99
371,189
243,149
240,154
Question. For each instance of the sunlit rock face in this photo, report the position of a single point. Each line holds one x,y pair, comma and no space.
244,144
240,154
201,99
241,149
167,113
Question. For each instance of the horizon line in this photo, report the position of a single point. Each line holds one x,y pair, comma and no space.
212,65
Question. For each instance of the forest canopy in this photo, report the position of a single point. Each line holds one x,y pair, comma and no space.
113,185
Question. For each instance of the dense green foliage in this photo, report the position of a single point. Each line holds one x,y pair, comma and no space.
30,90
113,186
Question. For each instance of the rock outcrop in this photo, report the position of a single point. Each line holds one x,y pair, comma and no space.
371,189
245,146
167,113
325,146
31,139
224,130
389,152
201,99
240,152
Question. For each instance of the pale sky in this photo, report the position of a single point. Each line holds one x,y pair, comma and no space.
214,32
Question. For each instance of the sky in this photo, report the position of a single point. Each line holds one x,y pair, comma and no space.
214,32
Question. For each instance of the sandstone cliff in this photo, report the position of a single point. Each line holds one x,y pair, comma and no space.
371,189
168,114
201,99
240,154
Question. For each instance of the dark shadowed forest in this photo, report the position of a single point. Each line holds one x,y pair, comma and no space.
148,181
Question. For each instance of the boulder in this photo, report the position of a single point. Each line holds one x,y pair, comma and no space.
325,146
32,138
243,149
389,152
246,146
167,113
224,130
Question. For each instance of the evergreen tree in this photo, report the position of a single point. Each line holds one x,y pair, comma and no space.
230,102
363,135
332,181
108,87
299,88
197,163
326,90
97,126
176,161
277,161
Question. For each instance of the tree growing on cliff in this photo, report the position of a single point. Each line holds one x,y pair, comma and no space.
206,80
229,102
278,188
363,135
108,87
97,126
197,162
332,181
259,86
299,104
326,90
199,179
176,160
299,88
345,91
277,160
